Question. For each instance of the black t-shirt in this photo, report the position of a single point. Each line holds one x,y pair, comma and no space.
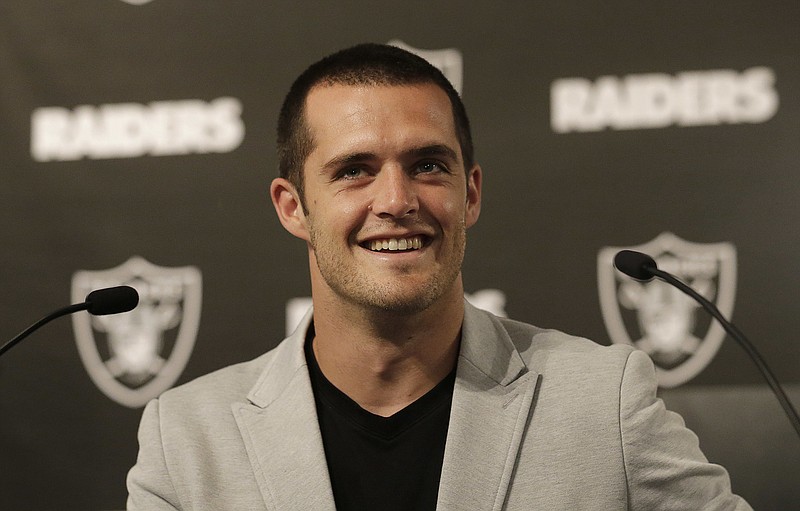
386,463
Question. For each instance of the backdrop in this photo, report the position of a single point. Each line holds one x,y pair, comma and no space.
137,147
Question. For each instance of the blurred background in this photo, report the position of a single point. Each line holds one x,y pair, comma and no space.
137,147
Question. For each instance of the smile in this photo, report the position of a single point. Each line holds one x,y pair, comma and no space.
394,244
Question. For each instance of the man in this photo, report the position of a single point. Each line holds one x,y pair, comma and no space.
394,393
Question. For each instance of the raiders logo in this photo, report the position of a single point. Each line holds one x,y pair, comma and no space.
134,357
660,319
448,61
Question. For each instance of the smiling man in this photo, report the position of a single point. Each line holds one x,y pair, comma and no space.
385,204
394,393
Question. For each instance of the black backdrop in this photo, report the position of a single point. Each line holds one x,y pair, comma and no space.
148,130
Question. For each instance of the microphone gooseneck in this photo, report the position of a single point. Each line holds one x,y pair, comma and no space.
112,300
643,267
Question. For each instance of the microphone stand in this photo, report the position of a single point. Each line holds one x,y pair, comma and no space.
739,337
112,300
57,314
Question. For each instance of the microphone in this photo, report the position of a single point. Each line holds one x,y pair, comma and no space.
635,264
642,267
111,300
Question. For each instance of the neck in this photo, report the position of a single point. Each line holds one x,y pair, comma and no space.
384,361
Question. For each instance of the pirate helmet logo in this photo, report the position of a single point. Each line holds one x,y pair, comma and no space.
448,60
134,357
658,318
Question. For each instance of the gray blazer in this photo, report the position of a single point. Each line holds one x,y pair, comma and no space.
540,420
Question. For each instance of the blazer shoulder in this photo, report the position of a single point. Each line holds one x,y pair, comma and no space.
223,386
531,340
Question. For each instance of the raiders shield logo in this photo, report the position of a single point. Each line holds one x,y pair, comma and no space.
660,319
135,356
448,61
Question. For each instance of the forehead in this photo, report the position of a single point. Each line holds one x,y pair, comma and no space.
341,116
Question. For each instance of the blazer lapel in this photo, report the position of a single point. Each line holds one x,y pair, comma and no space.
492,399
281,432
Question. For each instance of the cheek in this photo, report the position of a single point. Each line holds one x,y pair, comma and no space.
339,217
351,207
448,210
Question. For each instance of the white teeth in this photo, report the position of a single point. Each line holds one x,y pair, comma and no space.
394,244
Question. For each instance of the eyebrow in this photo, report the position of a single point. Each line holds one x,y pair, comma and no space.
427,151
346,159
434,150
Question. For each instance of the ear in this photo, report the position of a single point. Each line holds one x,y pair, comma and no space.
474,182
287,204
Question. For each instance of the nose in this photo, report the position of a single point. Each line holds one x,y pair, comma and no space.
394,194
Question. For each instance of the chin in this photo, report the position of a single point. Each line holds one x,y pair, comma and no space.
401,306
399,302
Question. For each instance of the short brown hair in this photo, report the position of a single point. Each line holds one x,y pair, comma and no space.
364,64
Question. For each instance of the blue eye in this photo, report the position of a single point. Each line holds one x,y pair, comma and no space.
429,167
351,173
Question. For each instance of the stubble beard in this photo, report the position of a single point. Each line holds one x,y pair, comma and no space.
394,296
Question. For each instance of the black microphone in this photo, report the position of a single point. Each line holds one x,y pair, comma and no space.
111,300
643,267
635,264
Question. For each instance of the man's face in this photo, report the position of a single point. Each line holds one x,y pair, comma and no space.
388,199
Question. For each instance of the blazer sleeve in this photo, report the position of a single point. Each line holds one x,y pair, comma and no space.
664,466
149,484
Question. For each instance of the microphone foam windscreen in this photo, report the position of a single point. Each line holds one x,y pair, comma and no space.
112,300
634,264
